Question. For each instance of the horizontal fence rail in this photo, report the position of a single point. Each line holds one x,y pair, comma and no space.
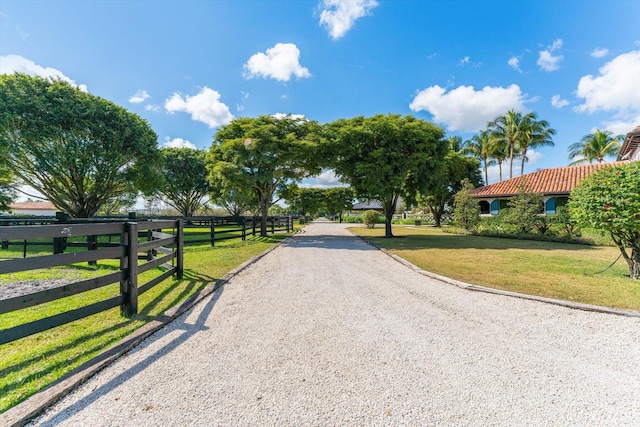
200,229
128,250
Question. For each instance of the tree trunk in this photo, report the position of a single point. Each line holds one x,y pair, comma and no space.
486,173
389,209
524,156
500,168
634,263
387,226
511,152
264,206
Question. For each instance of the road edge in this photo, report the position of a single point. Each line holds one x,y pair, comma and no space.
476,288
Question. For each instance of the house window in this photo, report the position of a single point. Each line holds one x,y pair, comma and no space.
484,207
550,206
495,207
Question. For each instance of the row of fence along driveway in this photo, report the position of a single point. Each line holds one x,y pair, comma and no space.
327,330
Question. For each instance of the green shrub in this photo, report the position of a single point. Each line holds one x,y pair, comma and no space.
352,219
370,218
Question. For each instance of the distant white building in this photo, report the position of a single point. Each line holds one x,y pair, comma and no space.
33,208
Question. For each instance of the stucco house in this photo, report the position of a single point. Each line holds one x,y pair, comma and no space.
554,185
33,208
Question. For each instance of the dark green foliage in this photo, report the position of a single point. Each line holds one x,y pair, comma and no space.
338,200
466,211
523,212
386,157
262,155
452,172
185,183
77,149
609,200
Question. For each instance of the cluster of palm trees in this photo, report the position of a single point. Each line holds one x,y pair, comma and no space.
510,137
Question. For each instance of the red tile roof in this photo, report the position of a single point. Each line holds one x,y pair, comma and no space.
546,181
32,206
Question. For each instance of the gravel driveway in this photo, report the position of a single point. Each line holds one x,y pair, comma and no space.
328,331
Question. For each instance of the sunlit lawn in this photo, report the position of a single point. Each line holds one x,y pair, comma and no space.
554,270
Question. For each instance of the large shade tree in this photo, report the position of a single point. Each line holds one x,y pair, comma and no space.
77,149
264,154
307,201
594,147
185,183
338,199
387,157
609,200
454,170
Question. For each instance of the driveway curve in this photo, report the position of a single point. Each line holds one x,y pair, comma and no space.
328,331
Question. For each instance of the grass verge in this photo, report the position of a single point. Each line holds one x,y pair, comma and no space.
30,364
553,270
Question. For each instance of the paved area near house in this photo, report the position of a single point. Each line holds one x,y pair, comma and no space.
328,331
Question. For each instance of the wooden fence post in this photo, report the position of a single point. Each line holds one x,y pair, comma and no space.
124,266
253,226
131,296
180,249
244,228
213,231
59,243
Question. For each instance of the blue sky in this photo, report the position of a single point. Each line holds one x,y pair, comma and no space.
188,67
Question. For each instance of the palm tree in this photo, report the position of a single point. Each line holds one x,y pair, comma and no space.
537,134
499,151
511,129
455,143
479,146
595,146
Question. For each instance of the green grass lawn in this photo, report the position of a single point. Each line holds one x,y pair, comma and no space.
30,364
554,270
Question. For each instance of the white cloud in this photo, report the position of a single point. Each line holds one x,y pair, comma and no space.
558,102
139,97
622,127
280,62
514,62
466,109
178,143
616,88
326,179
204,107
17,64
239,107
464,61
599,53
152,107
296,117
546,60
339,15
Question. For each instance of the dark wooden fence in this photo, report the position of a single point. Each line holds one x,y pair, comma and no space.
200,229
158,248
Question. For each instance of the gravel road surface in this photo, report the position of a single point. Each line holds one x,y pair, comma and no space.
328,331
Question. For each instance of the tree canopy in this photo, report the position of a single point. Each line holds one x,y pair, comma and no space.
609,200
308,201
264,154
454,170
185,178
338,200
387,157
77,149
